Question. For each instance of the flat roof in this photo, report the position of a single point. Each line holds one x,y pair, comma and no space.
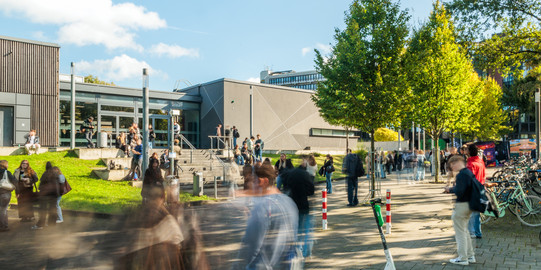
285,88
125,91
30,41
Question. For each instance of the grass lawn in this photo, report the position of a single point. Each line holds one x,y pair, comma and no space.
88,193
296,160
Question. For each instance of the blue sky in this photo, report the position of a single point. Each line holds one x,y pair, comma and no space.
188,41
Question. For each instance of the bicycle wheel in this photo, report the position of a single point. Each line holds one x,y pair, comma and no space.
528,210
485,218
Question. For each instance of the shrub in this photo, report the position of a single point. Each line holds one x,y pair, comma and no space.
386,135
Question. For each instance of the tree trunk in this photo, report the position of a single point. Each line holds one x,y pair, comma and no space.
452,139
435,137
372,185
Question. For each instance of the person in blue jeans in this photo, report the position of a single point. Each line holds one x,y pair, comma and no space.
328,169
61,181
299,186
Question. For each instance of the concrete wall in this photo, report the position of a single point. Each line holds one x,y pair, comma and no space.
283,116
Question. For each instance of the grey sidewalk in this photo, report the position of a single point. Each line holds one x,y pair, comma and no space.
422,234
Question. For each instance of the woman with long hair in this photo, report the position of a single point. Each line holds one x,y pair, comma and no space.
328,167
311,167
27,178
153,180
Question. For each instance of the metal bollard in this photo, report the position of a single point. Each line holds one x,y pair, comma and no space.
388,216
324,208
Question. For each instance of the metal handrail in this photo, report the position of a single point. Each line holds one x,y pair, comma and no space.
213,155
222,139
183,139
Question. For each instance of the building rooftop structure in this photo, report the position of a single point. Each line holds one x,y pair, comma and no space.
302,80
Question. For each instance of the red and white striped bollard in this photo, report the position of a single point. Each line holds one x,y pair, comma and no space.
388,217
324,208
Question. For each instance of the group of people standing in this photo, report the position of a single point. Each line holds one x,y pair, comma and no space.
250,152
52,186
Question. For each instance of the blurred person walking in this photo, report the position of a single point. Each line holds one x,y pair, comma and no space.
27,179
63,189
8,183
271,231
49,191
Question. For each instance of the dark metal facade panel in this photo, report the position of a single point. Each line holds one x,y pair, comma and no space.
28,68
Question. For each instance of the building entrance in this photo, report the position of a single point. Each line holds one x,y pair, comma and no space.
6,126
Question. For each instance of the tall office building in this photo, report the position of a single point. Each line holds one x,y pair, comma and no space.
301,80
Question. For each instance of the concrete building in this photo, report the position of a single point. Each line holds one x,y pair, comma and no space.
286,118
28,90
302,80
115,108
33,95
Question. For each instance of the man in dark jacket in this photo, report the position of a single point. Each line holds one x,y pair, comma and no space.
462,212
88,129
349,167
298,185
282,165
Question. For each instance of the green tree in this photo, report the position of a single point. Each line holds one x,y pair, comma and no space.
518,42
95,80
386,135
491,116
364,76
439,74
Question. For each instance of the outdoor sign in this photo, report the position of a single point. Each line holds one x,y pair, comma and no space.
524,146
489,149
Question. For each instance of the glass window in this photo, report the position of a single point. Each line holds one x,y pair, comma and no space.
116,108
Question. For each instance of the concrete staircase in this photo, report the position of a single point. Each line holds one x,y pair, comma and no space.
190,162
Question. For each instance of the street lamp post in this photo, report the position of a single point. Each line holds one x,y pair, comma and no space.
72,116
145,121
251,111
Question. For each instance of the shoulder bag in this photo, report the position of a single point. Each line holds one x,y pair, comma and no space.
5,183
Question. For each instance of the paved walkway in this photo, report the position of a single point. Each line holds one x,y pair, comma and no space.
422,236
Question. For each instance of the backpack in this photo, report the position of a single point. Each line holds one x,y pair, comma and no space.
359,170
236,134
478,201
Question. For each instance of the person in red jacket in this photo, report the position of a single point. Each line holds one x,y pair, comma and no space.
477,166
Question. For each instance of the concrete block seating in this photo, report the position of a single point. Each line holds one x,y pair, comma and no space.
111,175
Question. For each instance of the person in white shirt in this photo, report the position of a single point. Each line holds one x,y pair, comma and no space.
32,142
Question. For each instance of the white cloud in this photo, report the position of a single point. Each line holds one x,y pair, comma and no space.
173,51
39,35
116,69
253,79
88,22
324,49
